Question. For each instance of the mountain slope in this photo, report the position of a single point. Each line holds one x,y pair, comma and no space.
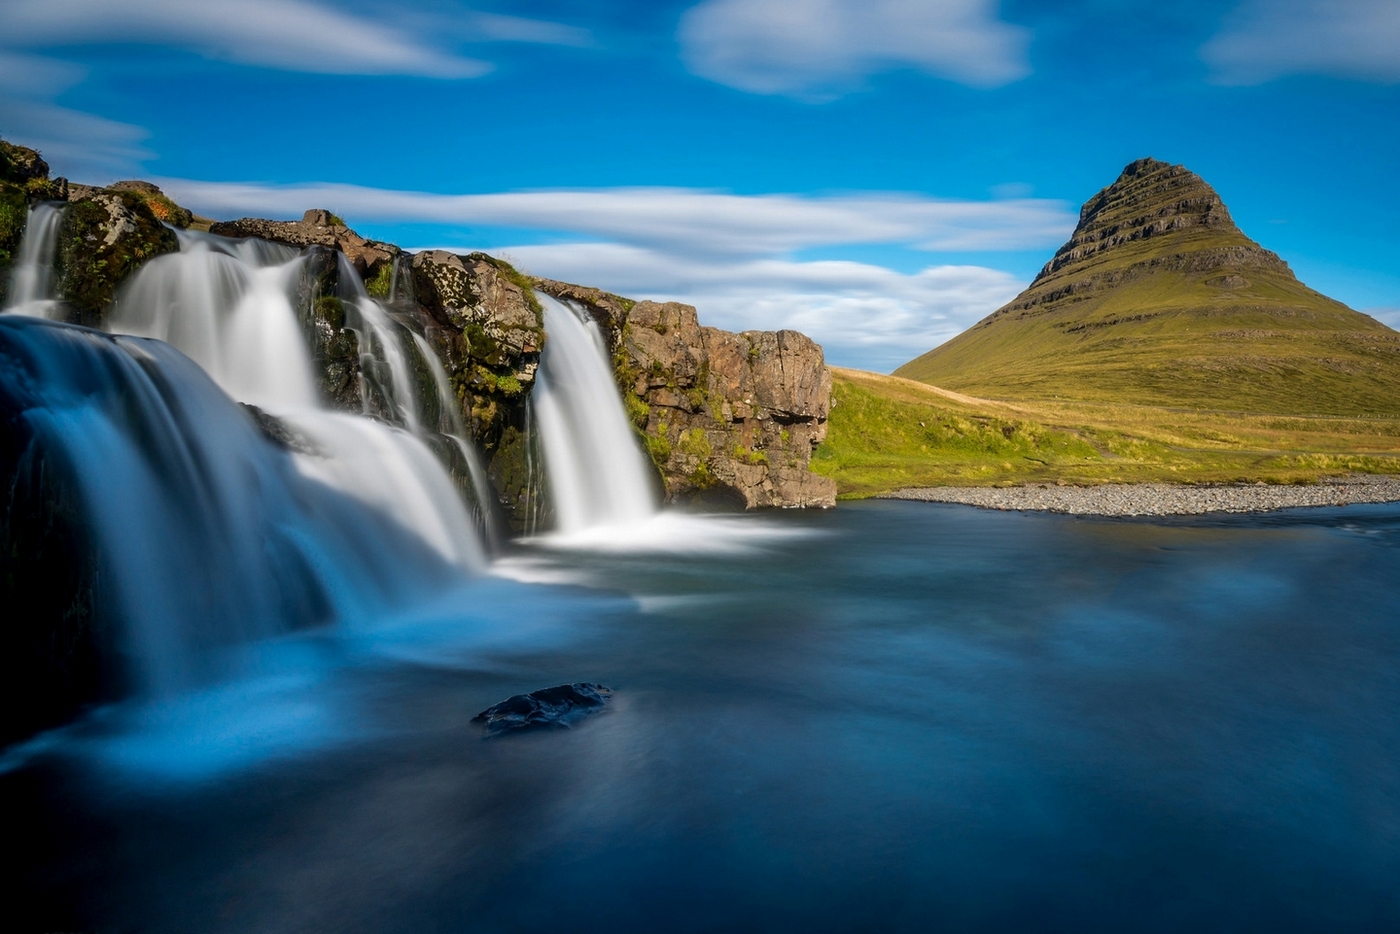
1159,299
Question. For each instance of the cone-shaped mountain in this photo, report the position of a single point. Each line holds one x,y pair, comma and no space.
1158,298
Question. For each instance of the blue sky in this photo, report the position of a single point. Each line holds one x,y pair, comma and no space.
878,173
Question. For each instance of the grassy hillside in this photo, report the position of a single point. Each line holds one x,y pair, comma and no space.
1160,300
886,432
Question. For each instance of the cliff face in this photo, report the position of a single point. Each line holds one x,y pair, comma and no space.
730,418
1159,298
726,417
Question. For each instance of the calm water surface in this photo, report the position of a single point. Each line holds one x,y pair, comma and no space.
888,717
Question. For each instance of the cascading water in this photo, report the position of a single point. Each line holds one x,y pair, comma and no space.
208,533
225,303
32,281
598,475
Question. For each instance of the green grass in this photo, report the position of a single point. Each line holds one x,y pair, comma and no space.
1154,335
885,432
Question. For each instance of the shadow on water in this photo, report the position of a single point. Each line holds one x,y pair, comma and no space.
888,717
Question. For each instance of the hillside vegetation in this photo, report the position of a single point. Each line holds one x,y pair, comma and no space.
886,432
1158,299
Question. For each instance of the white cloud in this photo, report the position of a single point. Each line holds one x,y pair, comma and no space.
1267,39
863,315
296,35
729,255
1390,317
813,48
684,219
72,142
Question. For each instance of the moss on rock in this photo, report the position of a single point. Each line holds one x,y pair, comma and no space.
103,239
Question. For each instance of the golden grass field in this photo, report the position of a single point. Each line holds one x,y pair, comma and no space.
886,432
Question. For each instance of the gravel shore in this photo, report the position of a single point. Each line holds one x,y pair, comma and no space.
1162,499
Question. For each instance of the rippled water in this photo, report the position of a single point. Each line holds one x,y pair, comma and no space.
888,717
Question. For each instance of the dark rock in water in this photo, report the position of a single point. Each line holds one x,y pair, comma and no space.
551,708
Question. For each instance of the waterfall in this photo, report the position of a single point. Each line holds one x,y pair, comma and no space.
32,281
225,304
208,533
597,472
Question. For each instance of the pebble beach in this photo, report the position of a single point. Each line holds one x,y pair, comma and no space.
1162,499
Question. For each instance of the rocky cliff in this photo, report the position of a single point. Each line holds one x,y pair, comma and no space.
1159,298
726,417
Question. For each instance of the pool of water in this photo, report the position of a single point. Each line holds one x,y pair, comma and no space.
887,717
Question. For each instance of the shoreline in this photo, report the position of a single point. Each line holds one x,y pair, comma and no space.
1160,499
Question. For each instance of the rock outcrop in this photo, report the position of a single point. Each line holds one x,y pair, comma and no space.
1158,298
317,227
105,235
556,708
727,418
730,418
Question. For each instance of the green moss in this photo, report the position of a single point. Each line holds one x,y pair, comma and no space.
380,284
335,220
90,269
749,456
695,442
638,412
331,310
14,214
701,477
508,386
659,446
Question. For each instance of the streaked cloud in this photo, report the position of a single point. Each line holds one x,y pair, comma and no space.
1268,39
679,219
729,255
818,48
294,35
863,315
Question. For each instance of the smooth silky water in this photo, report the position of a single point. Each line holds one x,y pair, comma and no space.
889,716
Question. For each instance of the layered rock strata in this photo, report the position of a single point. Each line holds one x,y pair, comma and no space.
1158,298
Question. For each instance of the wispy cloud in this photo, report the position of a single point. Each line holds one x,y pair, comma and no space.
688,220
863,315
290,35
77,142
295,35
817,48
732,256
1268,39
1390,317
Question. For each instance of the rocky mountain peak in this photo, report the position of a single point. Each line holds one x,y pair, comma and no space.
1149,199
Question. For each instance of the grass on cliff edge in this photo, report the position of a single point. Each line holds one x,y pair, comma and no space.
885,433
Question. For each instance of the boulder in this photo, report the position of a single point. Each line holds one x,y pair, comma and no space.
558,707
105,235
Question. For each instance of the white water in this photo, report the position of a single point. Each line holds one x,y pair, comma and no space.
598,474
208,535
226,307
225,304
32,280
